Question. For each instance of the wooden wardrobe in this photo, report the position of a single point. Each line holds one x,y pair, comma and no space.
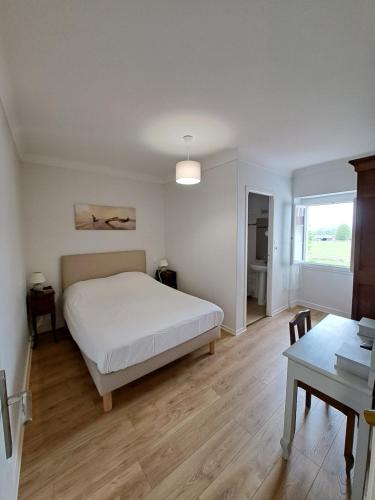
364,250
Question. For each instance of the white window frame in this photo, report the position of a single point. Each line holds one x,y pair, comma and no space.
328,199
297,207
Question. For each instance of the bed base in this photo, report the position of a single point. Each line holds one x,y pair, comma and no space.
106,383
211,347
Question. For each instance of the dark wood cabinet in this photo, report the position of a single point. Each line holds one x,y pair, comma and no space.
167,277
364,247
40,304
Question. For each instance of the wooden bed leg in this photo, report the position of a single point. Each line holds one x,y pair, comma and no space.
107,401
211,347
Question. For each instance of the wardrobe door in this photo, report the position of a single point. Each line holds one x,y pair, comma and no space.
364,253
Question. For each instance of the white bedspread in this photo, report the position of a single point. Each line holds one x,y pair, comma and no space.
127,318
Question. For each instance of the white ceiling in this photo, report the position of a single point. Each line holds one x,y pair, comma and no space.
118,82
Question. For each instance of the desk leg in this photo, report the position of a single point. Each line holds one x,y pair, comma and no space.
361,456
290,413
34,331
53,324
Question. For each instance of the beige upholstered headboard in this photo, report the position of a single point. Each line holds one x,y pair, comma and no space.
100,265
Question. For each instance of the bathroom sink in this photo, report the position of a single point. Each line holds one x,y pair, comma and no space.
261,270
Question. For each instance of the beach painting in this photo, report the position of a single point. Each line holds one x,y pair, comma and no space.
104,217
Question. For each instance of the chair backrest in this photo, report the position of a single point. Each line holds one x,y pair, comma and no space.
302,321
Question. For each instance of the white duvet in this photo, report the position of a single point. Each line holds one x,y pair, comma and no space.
127,318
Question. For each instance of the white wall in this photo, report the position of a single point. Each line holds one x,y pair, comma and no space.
201,237
326,290
323,288
205,236
256,179
50,194
326,178
13,324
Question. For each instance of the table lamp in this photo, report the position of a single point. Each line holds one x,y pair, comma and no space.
163,264
36,280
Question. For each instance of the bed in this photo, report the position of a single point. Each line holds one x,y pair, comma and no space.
127,324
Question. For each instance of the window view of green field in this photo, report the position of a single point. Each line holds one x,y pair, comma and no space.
329,234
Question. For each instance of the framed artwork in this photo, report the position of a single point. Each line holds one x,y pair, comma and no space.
101,217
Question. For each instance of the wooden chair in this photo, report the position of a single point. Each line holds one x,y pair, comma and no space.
302,321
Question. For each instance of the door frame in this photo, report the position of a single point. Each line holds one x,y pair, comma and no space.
271,217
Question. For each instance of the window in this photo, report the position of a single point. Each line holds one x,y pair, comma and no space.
323,229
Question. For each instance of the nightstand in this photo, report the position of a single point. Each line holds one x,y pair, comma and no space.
40,304
167,277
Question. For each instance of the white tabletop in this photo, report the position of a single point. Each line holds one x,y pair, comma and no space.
317,349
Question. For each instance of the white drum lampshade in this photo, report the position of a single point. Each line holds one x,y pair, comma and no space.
163,263
188,172
36,279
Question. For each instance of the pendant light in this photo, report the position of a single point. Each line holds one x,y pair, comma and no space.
188,171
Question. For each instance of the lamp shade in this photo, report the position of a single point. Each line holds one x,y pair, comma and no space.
188,172
163,263
37,278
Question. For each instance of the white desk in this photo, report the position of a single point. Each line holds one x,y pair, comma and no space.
312,360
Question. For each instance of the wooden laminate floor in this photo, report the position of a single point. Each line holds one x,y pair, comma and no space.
254,312
204,427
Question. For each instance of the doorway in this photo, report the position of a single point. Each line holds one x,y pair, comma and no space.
258,216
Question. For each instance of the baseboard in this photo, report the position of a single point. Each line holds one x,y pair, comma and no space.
26,384
228,329
232,331
279,310
319,307
241,330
